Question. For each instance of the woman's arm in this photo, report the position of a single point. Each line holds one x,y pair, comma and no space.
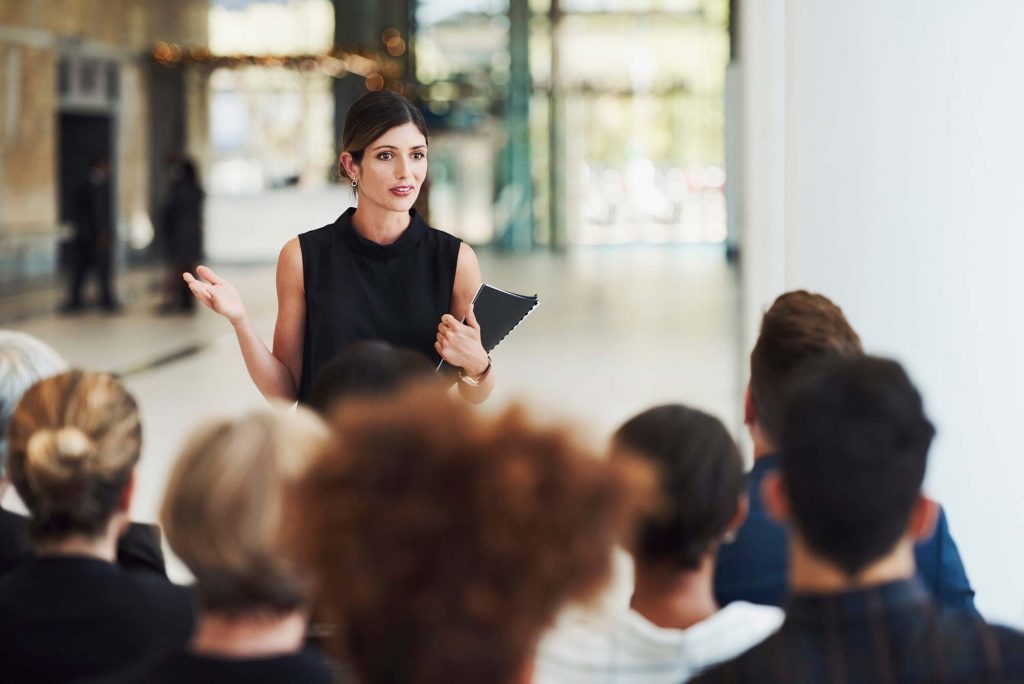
276,374
458,343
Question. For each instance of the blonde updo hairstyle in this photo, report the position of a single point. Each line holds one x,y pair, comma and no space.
73,442
223,507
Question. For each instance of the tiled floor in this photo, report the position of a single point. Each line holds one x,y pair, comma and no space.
618,330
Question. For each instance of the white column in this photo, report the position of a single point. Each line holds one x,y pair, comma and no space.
762,76
904,202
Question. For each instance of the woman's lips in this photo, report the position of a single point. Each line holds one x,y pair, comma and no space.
402,190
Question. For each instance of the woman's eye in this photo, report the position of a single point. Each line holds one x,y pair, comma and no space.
384,156
419,155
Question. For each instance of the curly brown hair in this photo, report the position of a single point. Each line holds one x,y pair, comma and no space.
443,542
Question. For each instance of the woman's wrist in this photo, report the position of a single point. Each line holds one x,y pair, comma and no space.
479,368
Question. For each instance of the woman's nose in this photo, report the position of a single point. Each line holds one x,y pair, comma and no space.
402,168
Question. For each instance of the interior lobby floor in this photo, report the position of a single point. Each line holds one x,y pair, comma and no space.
618,330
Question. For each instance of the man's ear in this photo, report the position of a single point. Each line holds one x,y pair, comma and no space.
749,412
923,519
775,497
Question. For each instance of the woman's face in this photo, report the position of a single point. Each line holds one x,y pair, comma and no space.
392,170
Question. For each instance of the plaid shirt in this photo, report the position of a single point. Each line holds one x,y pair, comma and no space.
888,633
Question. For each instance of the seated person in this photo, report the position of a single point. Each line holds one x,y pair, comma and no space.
798,328
673,628
222,514
853,454
69,612
365,369
444,542
24,360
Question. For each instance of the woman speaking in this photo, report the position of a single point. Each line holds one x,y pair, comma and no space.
378,272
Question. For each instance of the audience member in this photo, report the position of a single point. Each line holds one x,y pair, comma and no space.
69,612
24,360
222,515
365,369
801,327
444,542
673,629
854,447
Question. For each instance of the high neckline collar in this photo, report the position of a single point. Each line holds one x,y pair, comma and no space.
408,240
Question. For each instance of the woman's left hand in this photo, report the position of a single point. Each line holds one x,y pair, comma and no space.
459,344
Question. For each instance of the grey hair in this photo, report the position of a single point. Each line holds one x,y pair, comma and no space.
24,361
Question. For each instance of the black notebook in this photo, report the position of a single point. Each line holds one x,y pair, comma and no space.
498,312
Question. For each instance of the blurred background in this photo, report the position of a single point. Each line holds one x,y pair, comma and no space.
656,170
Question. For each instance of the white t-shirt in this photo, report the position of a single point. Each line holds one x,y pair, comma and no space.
622,647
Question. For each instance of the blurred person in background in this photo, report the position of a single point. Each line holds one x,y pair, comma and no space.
443,542
367,369
222,513
183,234
92,248
69,612
854,450
24,360
378,272
673,628
802,327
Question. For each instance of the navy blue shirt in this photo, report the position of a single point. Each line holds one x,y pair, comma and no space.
755,566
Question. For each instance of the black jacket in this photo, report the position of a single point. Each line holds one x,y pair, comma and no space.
137,550
71,618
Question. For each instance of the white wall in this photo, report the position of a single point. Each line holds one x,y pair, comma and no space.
902,168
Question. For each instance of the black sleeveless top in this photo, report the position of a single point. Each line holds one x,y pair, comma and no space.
357,290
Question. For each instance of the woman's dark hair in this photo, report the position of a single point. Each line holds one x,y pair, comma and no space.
701,481
363,369
373,115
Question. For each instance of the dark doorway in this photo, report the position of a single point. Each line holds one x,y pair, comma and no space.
83,139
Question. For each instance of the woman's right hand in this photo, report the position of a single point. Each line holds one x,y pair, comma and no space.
216,293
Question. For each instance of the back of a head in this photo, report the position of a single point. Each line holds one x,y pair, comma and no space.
444,542
24,360
366,369
223,507
73,441
799,327
854,449
701,482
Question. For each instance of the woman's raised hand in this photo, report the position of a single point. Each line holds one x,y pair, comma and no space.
459,343
216,293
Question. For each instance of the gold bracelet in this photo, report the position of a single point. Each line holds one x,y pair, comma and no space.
474,380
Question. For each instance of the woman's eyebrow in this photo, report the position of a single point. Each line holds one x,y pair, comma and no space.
393,147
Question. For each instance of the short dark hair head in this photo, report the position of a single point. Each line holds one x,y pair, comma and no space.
855,444
800,326
373,115
366,369
701,482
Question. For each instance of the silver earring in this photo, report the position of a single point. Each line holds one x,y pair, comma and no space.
355,184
